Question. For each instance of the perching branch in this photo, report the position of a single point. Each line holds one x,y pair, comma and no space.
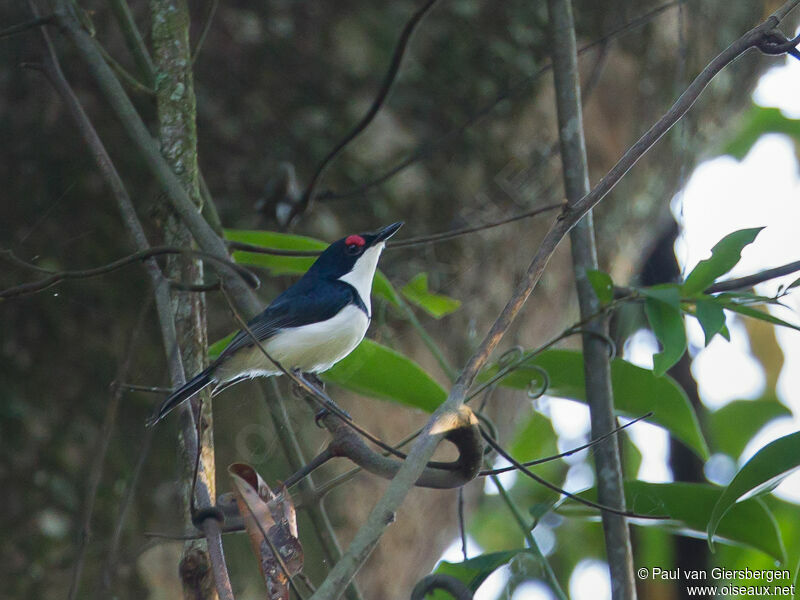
58,276
463,433
377,103
383,513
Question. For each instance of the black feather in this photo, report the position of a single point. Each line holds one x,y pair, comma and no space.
188,389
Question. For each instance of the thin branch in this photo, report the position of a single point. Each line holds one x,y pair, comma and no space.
417,241
59,276
343,445
426,338
100,451
575,450
212,10
245,247
749,40
383,512
134,40
213,534
127,78
523,86
527,533
377,103
751,280
552,487
294,455
32,24
462,527
112,554
449,235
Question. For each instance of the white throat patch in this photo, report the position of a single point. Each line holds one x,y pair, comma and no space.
363,272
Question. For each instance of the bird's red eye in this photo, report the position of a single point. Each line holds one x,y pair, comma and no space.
354,240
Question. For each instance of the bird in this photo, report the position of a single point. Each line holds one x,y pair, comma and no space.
310,327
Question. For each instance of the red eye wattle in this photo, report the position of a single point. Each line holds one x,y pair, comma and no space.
354,240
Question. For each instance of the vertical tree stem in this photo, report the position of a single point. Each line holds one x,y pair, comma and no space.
597,366
177,134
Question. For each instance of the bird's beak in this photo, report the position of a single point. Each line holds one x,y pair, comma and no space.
387,232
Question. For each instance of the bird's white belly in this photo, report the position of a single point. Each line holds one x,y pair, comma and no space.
311,348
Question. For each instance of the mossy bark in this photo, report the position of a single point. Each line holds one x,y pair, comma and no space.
177,135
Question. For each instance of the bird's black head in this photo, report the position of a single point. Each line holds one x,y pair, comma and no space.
355,255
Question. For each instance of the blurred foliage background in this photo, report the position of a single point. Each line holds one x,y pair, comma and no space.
278,83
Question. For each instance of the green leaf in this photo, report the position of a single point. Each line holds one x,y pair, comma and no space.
793,285
215,349
436,305
733,425
533,438
711,317
749,311
292,265
602,285
668,293
666,321
759,475
378,371
689,506
473,572
758,121
724,256
637,391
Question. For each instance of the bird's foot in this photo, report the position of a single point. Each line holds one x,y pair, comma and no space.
314,382
331,407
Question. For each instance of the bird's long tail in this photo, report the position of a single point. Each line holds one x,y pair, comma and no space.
187,390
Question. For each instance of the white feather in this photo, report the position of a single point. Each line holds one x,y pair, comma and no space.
310,348
360,277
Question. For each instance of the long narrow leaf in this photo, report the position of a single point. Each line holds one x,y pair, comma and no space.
724,256
689,506
762,473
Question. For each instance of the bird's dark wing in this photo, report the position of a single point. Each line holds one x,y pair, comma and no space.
299,305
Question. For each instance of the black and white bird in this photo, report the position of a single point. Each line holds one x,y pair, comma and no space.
310,327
